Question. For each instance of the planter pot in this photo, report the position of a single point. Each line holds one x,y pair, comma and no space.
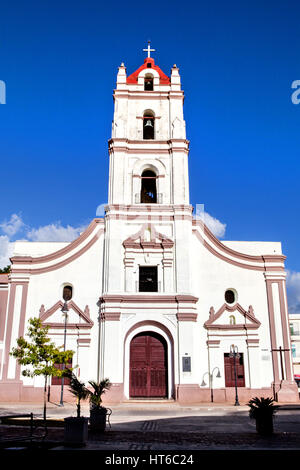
98,419
264,425
76,431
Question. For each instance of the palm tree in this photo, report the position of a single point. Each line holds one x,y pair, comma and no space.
99,388
79,390
262,410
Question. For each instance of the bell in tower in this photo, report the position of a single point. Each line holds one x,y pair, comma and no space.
148,125
148,82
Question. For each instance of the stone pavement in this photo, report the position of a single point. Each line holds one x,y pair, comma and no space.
169,426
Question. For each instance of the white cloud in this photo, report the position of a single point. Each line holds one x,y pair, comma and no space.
12,226
48,233
6,250
293,291
54,233
214,225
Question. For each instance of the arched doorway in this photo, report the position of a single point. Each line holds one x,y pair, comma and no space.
148,366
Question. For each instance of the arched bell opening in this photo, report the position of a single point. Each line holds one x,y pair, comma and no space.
148,125
148,187
148,83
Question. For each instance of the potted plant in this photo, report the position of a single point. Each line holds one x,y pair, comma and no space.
97,411
76,428
263,410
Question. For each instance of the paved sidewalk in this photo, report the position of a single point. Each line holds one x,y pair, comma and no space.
172,427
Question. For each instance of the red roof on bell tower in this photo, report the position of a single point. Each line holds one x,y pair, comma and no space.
133,78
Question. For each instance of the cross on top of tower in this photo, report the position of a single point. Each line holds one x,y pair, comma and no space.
149,49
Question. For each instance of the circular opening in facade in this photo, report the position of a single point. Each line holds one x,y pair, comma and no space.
230,296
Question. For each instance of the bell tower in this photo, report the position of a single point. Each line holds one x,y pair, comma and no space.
148,147
148,210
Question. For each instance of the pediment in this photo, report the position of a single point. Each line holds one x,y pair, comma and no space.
223,318
148,237
77,318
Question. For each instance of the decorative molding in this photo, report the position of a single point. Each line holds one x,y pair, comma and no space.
61,263
85,315
186,316
111,316
213,244
62,252
83,341
163,243
248,315
136,298
254,342
213,343
4,279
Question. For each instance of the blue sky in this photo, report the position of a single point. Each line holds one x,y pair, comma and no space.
237,61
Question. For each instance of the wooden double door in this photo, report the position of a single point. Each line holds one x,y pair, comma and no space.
148,366
229,371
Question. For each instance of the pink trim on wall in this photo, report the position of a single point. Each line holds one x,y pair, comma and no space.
3,308
11,304
44,315
187,316
161,327
252,341
132,298
3,278
241,256
213,342
150,323
150,207
63,251
111,316
22,322
249,315
62,263
83,341
164,242
272,332
285,333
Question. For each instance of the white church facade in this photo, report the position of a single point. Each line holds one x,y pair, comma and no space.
156,302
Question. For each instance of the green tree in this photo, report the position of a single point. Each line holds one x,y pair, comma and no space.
5,270
39,355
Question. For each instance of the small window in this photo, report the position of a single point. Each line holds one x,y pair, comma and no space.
67,293
148,279
294,350
230,296
232,320
149,65
294,327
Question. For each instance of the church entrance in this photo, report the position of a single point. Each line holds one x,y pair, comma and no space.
148,366
230,372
